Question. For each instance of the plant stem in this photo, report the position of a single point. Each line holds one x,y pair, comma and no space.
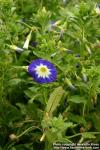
27,130
78,134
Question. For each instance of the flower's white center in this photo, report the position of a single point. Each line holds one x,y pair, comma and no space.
42,71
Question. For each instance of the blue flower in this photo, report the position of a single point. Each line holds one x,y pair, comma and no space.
42,71
34,44
78,65
78,55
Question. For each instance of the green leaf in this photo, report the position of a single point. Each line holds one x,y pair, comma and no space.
88,135
14,82
96,120
77,119
77,99
54,99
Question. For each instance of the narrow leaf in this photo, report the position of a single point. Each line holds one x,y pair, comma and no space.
54,99
88,135
77,99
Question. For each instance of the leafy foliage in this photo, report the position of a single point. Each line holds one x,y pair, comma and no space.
33,116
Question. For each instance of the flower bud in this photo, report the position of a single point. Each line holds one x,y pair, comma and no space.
12,137
26,44
70,84
88,49
14,47
84,75
97,9
52,55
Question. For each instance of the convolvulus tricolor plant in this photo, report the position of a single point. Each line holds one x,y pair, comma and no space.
49,74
